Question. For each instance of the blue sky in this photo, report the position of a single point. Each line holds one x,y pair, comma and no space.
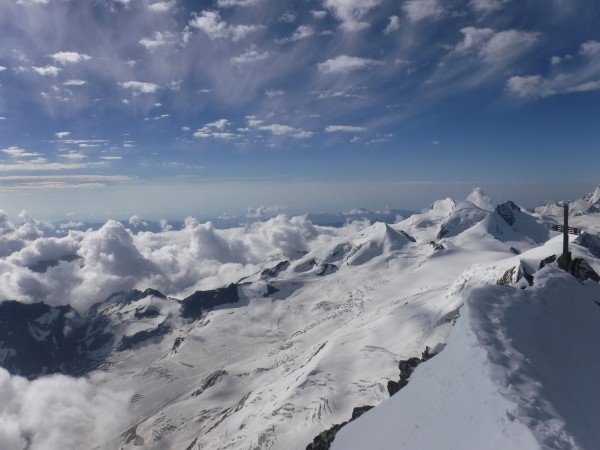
173,107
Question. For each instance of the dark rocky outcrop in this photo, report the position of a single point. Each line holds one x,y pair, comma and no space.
514,275
324,439
210,381
507,212
38,339
407,367
274,271
193,306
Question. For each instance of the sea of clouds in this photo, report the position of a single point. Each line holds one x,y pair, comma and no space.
59,413
85,267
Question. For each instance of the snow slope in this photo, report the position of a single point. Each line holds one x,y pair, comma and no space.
518,372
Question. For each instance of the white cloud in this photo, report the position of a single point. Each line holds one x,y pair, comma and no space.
285,130
302,32
62,134
80,412
479,199
73,156
66,58
392,26
210,23
264,210
205,132
590,48
233,3
273,93
251,55
17,152
42,165
344,129
345,64
48,71
529,86
159,39
3,118
495,47
2,68
423,9
487,6
351,12
161,6
32,2
584,87
319,15
220,124
75,82
288,17
140,87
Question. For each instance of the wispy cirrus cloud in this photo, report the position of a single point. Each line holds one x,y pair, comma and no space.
344,129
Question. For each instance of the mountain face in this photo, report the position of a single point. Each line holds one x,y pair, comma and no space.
292,349
588,204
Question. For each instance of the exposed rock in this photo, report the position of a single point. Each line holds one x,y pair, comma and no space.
589,241
548,260
193,306
436,245
274,271
583,271
407,367
324,439
507,212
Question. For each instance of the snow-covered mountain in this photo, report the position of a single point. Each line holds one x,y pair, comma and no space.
323,328
588,204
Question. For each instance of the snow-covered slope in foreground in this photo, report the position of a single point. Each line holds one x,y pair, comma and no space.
519,372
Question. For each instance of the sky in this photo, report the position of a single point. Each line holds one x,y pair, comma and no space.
110,108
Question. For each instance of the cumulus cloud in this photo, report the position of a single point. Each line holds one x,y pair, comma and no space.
423,9
479,199
58,412
66,58
161,6
91,265
344,64
487,6
264,210
214,27
140,87
47,71
160,39
529,86
351,12
251,55
62,134
392,26
590,48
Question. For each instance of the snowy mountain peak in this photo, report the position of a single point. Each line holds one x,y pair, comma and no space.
463,216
